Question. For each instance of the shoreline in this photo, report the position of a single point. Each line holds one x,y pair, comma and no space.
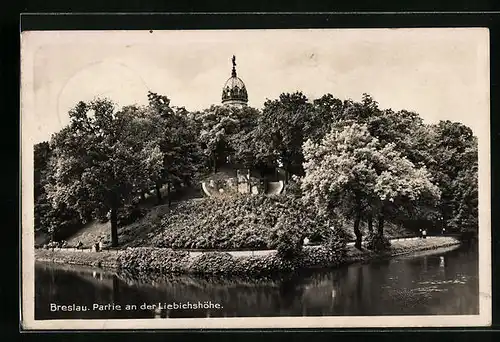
167,261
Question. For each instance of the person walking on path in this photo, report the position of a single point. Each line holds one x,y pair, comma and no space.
424,233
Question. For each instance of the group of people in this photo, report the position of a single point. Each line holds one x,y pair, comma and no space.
56,244
423,232
98,245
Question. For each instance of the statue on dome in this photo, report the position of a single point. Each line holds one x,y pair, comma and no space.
233,73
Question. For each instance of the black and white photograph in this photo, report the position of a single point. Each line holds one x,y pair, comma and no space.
277,178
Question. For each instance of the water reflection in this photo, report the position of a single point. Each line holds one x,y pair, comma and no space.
442,283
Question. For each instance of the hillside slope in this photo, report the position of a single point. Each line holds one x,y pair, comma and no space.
140,233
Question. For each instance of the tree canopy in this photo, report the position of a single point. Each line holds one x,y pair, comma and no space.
350,173
353,160
102,159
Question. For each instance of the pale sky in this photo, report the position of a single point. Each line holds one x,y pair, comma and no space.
443,74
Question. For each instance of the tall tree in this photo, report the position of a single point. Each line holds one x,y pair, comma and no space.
281,127
225,133
349,173
176,134
102,160
54,221
326,111
42,208
455,167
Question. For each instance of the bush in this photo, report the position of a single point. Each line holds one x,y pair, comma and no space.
337,242
322,257
377,242
213,262
225,263
148,259
286,237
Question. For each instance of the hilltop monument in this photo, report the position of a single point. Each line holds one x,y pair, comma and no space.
234,92
231,179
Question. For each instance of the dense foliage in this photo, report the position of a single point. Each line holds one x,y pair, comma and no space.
343,161
54,221
148,259
102,159
455,169
226,134
253,222
165,260
349,173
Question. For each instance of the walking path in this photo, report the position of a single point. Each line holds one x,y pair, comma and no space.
233,253
270,251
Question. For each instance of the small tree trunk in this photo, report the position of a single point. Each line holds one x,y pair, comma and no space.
249,185
286,173
380,228
158,193
114,227
370,222
237,181
357,231
168,195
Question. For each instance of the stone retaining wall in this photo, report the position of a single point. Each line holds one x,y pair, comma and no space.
149,259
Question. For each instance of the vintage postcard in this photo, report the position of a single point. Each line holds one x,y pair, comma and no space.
255,178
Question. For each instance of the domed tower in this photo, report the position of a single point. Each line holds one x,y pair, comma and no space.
234,91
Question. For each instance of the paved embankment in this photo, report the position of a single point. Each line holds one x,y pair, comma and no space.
401,247
112,259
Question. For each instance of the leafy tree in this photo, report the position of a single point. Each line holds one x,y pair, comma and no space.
281,129
349,173
404,129
326,111
408,134
176,134
55,222
225,134
102,159
41,154
455,167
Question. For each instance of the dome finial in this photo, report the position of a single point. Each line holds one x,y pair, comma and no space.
233,73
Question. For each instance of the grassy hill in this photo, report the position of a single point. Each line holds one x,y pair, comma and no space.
144,231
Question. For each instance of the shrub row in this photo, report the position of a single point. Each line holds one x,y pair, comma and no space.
150,259
155,260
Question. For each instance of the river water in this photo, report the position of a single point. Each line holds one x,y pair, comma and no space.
443,282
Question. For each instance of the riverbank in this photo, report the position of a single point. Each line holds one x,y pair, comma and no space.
163,260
